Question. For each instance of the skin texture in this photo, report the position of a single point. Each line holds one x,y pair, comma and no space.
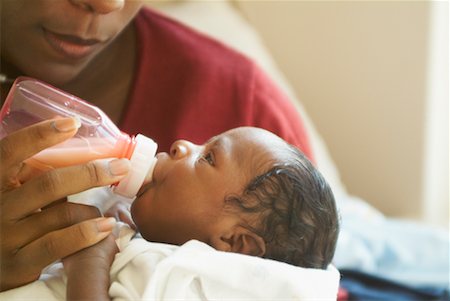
88,271
186,198
53,40
48,39
85,47
36,230
27,24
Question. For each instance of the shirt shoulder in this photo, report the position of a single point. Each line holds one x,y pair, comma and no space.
182,44
182,68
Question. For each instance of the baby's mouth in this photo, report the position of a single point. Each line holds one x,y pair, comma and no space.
149,181
144,188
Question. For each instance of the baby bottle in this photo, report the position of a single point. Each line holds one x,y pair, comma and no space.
30,101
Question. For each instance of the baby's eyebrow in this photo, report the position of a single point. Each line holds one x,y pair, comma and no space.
210,140
224,150
216,144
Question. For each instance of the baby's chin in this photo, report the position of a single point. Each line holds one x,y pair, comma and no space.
147,185
136,211
139,208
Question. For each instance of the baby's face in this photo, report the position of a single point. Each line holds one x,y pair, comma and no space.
186,198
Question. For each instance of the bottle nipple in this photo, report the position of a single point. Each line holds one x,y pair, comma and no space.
149,177
143,162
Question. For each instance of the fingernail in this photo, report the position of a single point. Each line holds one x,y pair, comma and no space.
105,224
119,167
67,124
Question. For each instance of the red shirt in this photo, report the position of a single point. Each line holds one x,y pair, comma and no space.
189,86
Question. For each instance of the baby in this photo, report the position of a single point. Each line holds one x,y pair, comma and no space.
244,191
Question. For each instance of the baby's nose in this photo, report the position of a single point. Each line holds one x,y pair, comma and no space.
179,149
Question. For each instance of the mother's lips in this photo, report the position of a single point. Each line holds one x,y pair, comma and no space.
71,46
76,40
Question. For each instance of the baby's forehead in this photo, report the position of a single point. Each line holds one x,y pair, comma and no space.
257,137
252,135
259,147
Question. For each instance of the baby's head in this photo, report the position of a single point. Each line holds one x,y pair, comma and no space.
245,191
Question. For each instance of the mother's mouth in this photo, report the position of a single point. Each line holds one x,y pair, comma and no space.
70,46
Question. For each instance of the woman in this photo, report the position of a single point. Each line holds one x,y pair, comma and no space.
150,74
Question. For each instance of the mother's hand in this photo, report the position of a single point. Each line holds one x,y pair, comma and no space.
34,232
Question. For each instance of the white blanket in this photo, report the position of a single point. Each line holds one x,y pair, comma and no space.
194,271
144,270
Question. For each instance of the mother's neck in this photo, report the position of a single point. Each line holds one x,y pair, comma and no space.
107,81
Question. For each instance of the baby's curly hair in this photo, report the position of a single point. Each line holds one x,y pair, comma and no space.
297,212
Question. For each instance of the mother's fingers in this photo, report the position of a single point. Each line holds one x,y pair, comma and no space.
21,145
51,219
61,243
53,185
27,172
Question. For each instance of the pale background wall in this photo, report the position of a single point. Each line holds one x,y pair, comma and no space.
373,76
363,70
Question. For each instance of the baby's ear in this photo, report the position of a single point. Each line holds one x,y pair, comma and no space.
241,240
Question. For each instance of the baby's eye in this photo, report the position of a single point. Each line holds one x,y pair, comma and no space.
209,158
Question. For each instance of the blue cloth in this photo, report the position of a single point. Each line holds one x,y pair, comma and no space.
401,251
363,286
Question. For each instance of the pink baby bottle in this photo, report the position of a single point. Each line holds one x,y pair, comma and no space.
30,101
